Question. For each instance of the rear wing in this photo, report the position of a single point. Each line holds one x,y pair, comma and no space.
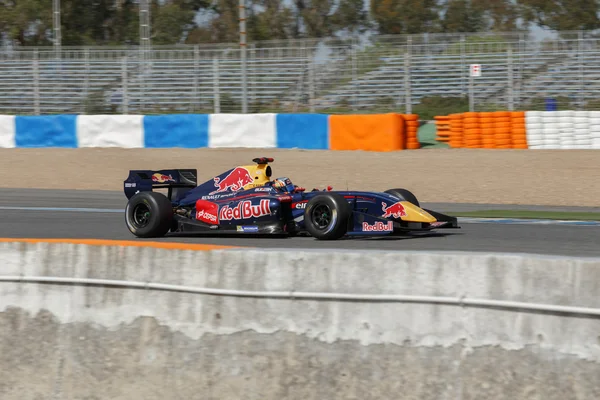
173,179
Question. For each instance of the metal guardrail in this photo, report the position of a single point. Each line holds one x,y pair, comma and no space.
385,73
295,295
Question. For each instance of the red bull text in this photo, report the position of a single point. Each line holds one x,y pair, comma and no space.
236,180
396,210
378,227
245,210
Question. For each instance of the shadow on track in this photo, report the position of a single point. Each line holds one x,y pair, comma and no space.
419,235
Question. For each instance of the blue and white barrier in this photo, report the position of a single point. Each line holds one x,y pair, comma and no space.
306,131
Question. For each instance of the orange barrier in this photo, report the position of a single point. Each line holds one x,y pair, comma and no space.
488,130
472,130
442,128
486,119
519,132
412,129
369,132
456,130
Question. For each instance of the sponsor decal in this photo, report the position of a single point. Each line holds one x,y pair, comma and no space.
160,178
130,185
207,212
300,205
217,196
396,210
378,227
263,189
247,228
244,210
206,216
235,180
436,224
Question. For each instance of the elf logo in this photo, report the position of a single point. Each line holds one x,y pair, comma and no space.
300,206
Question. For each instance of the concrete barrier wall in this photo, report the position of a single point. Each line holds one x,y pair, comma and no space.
70,341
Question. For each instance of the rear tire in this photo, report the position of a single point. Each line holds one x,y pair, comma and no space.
149,214
404,194
326,216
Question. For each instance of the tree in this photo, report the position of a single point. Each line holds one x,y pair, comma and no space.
26,22
561,15
405,16
501,15
274,22
351,16
463,16
316,18
170,23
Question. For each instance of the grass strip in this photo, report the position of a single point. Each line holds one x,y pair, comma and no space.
528,214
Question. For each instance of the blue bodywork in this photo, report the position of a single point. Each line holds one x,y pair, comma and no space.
262,209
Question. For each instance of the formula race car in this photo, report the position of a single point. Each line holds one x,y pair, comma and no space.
244,200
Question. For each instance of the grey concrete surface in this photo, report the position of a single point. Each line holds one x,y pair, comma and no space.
94,342
541,239
117,200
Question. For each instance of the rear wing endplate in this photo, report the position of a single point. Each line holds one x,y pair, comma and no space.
147,180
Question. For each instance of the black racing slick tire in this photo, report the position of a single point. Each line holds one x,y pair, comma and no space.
149,214
404,194
326,216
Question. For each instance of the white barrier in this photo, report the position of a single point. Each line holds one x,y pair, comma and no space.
242,130
563,129
7,131
110,131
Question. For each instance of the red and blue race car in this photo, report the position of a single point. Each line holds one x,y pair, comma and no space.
244,200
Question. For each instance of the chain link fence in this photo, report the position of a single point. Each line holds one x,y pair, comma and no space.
425,74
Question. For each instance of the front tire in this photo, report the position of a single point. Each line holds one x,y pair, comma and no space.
149,214
404,194
326,216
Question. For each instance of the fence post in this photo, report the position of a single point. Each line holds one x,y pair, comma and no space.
581,76
252,75
196,102
471,93
311,83
462,62
125,101
86,78
36,83
242,17
511,100
354,76
407,86
217,100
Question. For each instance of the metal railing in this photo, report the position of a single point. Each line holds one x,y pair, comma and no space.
378,74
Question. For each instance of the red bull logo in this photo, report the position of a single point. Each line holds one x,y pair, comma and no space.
244,210
160,178
236,180
396,210
378,227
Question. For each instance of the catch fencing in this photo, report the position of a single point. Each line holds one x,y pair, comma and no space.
403,73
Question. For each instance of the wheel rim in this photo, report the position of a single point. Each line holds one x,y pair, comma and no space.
141,216
322,216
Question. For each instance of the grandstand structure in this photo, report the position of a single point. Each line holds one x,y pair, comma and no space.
391,73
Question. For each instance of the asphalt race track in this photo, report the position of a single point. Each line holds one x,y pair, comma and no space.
29,213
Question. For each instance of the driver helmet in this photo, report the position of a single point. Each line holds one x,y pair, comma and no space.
283,184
